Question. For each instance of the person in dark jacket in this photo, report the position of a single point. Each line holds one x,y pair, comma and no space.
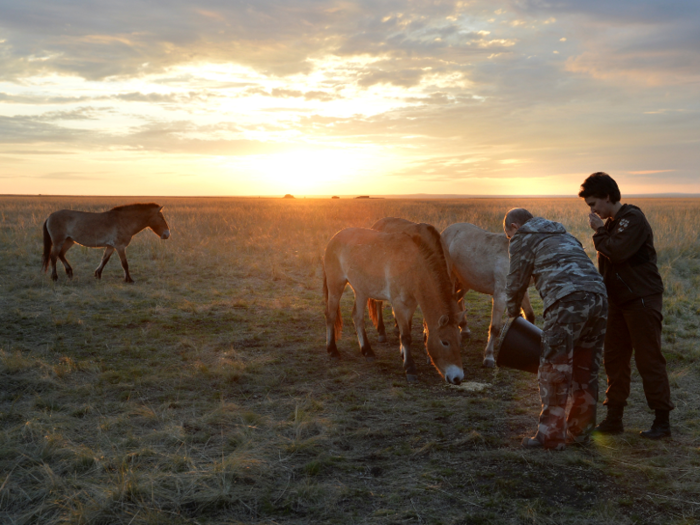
575,310
627,261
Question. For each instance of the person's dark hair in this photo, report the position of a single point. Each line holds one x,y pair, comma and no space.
517,215
600,185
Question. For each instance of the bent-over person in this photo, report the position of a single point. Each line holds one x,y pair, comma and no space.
627,261
575,311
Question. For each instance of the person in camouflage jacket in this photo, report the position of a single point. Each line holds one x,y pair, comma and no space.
575,314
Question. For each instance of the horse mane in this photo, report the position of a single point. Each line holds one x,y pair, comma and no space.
136,206
434,257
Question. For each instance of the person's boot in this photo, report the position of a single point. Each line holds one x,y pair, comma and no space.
612,424
660,428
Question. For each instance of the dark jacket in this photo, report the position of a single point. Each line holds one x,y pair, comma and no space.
556,260
626,256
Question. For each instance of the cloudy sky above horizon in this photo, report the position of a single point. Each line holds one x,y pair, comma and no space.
320,97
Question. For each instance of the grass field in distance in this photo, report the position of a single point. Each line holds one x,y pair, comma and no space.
203,394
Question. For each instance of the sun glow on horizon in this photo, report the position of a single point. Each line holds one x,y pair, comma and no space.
308,171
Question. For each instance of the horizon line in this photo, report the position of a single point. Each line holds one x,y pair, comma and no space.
362,196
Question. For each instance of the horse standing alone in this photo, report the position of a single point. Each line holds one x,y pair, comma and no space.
404,270
112,229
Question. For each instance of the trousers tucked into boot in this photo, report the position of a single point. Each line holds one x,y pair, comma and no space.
660,428
612,424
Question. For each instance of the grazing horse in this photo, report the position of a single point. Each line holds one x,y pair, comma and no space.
398,225
113,229
404,270
481,263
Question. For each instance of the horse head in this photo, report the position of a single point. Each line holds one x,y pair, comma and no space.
443,344
158,225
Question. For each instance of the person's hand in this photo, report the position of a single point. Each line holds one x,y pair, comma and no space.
594,221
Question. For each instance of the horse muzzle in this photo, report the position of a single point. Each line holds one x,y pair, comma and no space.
454,375
165,235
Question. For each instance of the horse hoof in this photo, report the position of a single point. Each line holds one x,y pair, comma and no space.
370,358
411,378
381,339
334,356
489,363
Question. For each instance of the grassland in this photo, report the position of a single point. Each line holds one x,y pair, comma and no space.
203,393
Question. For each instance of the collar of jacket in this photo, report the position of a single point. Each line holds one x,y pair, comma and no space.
626,208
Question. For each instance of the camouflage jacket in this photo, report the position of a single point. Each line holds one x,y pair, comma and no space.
626,256
556,260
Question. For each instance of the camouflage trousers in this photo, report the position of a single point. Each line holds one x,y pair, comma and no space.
572,344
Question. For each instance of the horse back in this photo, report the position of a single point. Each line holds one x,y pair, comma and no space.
393,225
380,264
480,257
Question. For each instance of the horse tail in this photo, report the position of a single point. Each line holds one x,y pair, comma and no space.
373,312
338,326
47,249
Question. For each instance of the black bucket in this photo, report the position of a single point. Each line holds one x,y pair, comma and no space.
519,345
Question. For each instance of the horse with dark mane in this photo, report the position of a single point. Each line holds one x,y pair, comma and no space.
406,271
112,229
399,225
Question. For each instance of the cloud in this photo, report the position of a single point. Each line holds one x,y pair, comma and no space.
66,175
30,130
38,100
438,83
166,98
648,172
294,93
630,40
79,113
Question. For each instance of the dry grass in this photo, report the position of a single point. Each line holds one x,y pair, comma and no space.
202,394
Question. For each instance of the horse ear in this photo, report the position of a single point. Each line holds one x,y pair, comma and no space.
161,208
443,321
462,316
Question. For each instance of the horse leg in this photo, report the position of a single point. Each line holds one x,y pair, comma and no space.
358,318
105,257
425,342
55,251
527,308
396,323
122,256
404,317
380,322
498,305
62,255
463,326
333,320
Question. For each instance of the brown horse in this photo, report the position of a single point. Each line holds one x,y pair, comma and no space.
113,229
398,225
406,271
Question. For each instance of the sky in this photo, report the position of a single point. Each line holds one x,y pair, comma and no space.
323,97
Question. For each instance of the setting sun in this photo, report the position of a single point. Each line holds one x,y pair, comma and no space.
315,171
